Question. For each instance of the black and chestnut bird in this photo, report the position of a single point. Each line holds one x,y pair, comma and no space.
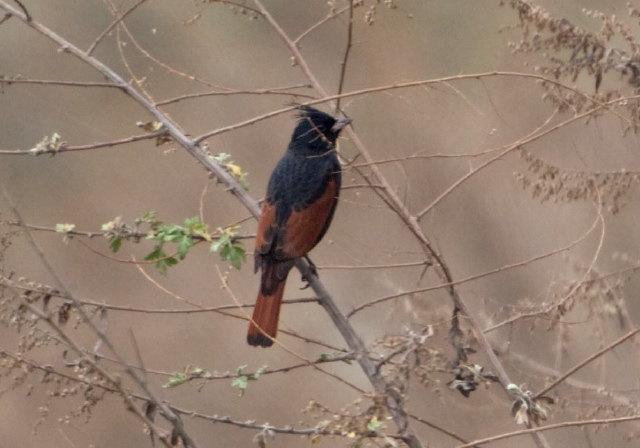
296,213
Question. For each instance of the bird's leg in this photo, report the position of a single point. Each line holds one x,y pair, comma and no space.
312,269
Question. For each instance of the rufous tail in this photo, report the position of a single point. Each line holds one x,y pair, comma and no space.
266,314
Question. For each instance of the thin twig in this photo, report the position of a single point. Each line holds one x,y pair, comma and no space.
347,50
281,344
27,16
315,26
187,412
586,361
374,266
265,91
53,82
447,79
7,16
555,305
162,64
423,156
66,148
113,24
474,277
134,236
539,429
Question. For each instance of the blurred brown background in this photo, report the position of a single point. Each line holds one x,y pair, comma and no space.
489,222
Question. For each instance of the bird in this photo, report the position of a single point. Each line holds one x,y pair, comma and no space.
301,199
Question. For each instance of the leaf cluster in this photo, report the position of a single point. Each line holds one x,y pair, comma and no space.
182,236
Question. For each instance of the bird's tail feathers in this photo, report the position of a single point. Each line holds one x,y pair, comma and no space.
266,314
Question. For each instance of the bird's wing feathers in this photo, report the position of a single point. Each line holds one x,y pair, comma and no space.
292,234
306,227
266,233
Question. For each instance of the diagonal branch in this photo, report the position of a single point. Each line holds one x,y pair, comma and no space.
392,199
586,361
171,128
394,398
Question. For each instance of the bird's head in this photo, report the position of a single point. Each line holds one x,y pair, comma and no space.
317,129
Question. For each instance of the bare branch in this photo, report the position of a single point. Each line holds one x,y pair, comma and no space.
524,432
586,361
345,58
17,80
113,24
67,148
266,91
330,16
410,84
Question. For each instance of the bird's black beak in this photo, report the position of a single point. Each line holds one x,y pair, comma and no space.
340,124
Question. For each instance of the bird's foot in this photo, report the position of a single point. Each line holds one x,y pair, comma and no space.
312,269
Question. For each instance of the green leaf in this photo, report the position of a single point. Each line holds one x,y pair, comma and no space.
169,234
223,241
190,222
150,126
230,248
239,175
242,380
233,169
237,256
374,424
195,227
146,218
183,246
156,253
64,228
164,264
176,380
115,244
241,383
182,236
221,157
163,261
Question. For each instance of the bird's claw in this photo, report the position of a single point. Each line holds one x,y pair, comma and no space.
312,269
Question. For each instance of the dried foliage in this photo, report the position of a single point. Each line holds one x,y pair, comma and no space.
570,51
566,51
550,183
